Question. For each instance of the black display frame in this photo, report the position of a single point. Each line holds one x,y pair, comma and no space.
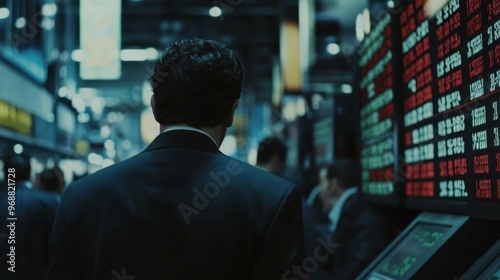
491,257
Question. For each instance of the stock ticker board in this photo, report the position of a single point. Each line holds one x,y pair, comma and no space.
378,58
451,62
450,99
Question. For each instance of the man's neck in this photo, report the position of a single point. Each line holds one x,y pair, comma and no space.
217,133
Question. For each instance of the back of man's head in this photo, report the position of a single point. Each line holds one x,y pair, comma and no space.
345,170
196,82
21,166
269,148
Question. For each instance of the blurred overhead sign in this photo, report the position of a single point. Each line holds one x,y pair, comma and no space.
100,39
15,119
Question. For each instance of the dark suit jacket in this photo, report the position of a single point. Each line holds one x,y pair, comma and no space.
362,233
35,212
178,210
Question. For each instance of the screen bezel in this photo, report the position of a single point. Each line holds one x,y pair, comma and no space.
485,262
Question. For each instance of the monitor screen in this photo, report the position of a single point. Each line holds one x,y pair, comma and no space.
412,252
323,134
377,59
451,76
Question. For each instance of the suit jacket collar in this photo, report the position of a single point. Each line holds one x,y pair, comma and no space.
183,139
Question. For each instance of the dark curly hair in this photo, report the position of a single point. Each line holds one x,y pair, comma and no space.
196,82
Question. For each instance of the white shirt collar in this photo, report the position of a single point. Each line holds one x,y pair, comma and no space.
189,128
334,214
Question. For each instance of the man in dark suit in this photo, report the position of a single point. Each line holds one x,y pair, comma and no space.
181,209
25,228
271,155
360,231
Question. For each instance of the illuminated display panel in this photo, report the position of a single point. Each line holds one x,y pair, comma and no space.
451,81
418,252
323,134
415,249
378,58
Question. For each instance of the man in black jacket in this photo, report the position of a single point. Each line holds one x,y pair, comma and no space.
360,231
181,209
24,227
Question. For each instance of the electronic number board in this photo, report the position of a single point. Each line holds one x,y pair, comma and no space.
377,64
451,60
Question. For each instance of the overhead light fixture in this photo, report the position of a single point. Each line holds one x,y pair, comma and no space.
49,10
97,105
390,4
78,103
360,34
77,55
139,54
18,149
63,92
215,12
83,118
366,21
20,22
346,88
4,13
333,48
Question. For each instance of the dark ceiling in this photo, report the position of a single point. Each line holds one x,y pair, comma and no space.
251,27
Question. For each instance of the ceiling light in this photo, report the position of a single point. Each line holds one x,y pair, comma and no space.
63,92
78,103
49,10
139,54
360,34
333,48
18,149
4,13
366,21
20,22
77,55
215,12
83,118
346,88
390,4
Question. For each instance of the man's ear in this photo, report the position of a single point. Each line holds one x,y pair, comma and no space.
153,101
229,120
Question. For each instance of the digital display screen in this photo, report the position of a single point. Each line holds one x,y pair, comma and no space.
492,272
377,61
451,76
412,252
323,134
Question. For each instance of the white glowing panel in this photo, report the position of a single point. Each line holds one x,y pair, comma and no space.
100,39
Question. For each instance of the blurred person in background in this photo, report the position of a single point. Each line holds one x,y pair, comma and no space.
52,180
181,209
35,212
360,230
271,155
